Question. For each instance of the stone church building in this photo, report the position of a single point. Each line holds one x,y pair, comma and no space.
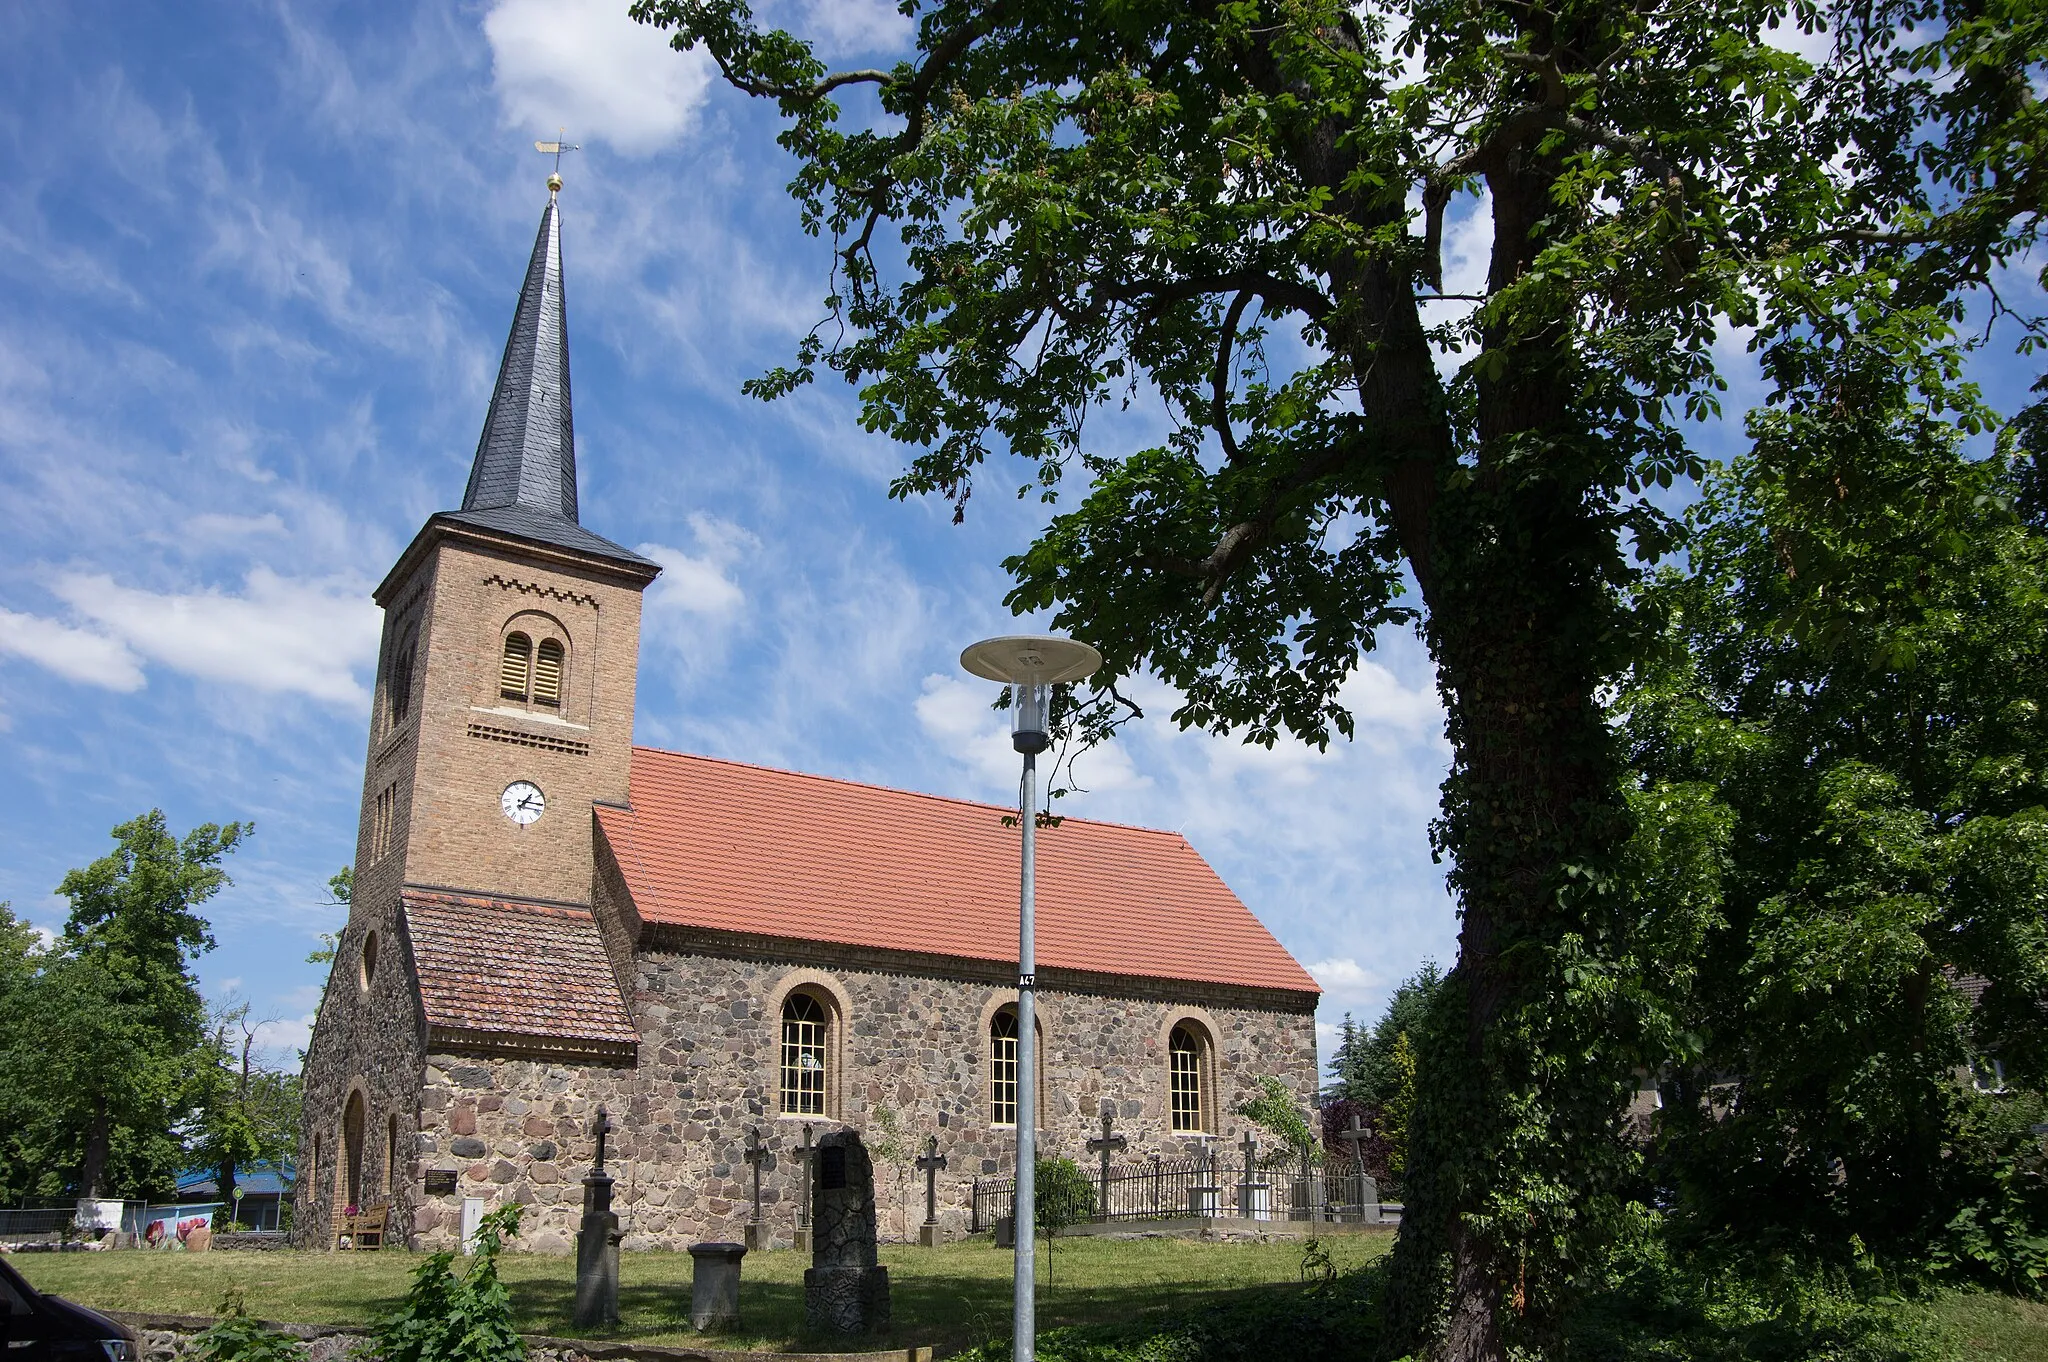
547,918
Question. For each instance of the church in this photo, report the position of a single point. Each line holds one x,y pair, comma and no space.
547,919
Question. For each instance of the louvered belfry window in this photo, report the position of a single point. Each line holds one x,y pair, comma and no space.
803,1056
1184,1053
515,672
547,673
1002,1048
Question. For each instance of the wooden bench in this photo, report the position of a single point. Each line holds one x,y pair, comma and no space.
363,1230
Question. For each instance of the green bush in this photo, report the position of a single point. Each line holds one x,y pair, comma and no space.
450,1318
235,1337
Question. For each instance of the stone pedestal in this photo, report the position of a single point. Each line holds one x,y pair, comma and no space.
847,1300
1255,1200
845,1290
597,1257
756,1235
802,1243
928,1235
1369,1197
715,1286
1204,1200
1006,1231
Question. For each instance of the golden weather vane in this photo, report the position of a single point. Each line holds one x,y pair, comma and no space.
555,149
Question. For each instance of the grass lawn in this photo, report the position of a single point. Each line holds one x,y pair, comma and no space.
1982,1325
950,1297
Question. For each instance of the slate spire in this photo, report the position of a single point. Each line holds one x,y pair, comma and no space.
527,456
523,482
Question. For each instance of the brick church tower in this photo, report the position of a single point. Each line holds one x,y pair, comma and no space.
503,712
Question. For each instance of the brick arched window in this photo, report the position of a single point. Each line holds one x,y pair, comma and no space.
1187,1052
1002,1068
805,1075
515,667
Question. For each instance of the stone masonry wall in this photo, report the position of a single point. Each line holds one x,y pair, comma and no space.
910,1059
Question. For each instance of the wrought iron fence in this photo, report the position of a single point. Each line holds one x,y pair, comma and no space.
1283,1187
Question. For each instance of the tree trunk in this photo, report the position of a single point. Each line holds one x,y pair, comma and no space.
227,1185
1519,577
98,1137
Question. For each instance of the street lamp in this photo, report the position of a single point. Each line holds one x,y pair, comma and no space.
1030,666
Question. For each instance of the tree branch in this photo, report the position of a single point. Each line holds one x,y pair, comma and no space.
1219,405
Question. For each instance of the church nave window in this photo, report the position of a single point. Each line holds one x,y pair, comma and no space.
515,670
1002,1047
1185,1059
547,673
804,1023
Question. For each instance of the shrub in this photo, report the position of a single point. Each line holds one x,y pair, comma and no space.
450,1318
235,1337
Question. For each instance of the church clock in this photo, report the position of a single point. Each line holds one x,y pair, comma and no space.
523,802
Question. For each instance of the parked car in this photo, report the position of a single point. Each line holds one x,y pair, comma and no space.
37,1327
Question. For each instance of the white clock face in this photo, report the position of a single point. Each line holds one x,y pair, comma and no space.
523,802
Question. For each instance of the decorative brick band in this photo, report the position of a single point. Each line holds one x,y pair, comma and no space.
545,592
492,733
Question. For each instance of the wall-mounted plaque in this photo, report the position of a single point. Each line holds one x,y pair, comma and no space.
440,1182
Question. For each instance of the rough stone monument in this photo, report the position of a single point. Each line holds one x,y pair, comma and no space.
715,1286
597,1245
845,1291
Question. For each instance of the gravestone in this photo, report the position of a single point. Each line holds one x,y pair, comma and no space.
845,1290
1366,1186
803,1200
1254,1193
1108,1145
597,1244
756,1155
929,1164
715,1286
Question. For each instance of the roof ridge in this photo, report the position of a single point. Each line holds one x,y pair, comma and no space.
914,794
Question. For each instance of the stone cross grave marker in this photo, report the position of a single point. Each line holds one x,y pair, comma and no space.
1107,1144
803,1197
1368,1187
597,1243
756,1155
845,1290
929,1163
1254,1194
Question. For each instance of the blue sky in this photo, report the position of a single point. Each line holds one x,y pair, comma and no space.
259,260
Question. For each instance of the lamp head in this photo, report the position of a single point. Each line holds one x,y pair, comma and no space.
1031,665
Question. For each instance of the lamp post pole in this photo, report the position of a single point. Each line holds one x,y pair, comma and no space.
1026,1203
1030,667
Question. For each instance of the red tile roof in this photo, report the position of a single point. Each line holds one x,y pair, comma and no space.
508,970
729,847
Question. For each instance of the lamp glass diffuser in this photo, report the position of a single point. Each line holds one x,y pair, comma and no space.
1031,716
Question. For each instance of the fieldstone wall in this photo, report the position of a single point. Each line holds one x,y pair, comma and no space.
909,1058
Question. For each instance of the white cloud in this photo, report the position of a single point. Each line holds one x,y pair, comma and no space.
843,27
1347,982
280,635
75,654
286,1037
585,66
700,583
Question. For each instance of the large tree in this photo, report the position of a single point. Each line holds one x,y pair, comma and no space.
1236,210
1851,706
101,1040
